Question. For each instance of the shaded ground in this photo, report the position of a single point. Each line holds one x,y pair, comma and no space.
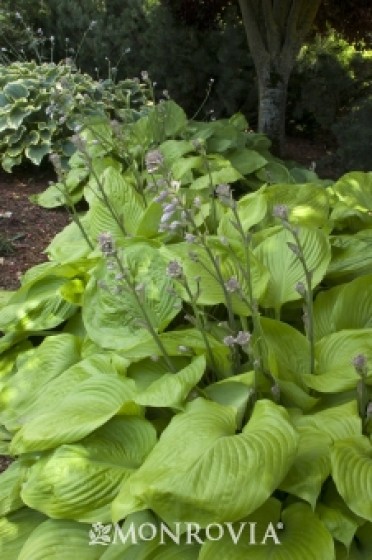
25,229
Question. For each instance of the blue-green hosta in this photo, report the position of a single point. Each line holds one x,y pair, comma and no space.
157,370
40,106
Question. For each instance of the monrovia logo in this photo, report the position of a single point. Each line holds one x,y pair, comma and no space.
186,533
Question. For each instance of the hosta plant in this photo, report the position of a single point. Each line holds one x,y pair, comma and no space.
198,154
191,356
42,104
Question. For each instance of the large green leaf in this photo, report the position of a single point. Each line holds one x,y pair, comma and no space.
10,487
124,201
338,422
308,204
197,262
354,194
311,466
352,473
251,209
37,305
88,394
187,477
15,529
40,366
115,319
59,540
334,355
86,477
171,389
69,244
351,256
15,90
303,537
285,267
246,161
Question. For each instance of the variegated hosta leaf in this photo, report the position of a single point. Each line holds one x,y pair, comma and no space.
15,529
189,477
114,316
303,537
86,477
334,355
285,267
60,540
344,307
88,394
352,473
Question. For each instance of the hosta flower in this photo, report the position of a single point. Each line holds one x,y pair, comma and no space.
300,288
223,191
360,363
106,244
242,338
229,340
232,285
281,211
174,269
153,160
190,238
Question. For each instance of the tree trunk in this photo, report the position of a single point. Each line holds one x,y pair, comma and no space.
272,106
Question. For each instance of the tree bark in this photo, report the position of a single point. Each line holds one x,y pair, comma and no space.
275,31
272,107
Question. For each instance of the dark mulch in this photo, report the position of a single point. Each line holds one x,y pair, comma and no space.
26,228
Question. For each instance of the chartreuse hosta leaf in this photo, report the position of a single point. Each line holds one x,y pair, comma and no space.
354,193
303,537
338,422
191,342
113,317
251,209
188,475
37,368
69,244
311,466
334,354
351,256
344,307
125,202
56,539
352,473
340,521
10,486
361,547
171,389
308,204
88,394
199,270
285,267
15,529
86,477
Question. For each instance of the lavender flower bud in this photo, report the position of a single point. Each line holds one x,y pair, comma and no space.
281,211
106,244
300,288
153,160
229,340
163,195
360,364
190,238
223,191
174,270
232,285
242,338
